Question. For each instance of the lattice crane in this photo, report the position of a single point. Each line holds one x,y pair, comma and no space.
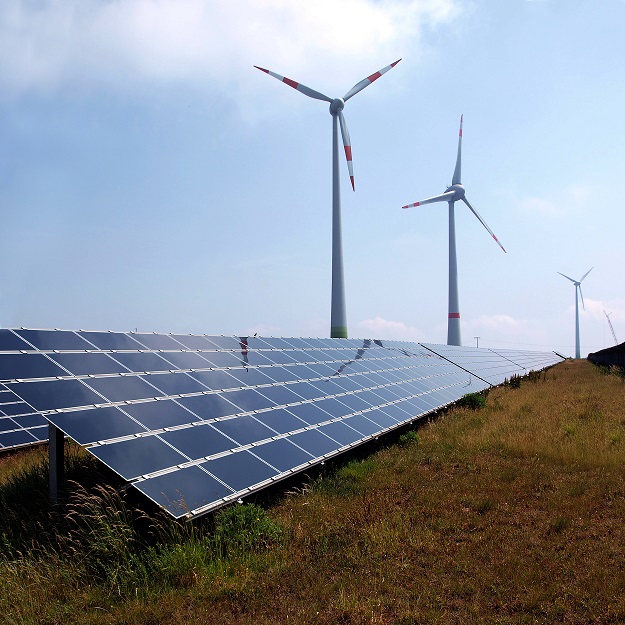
611,328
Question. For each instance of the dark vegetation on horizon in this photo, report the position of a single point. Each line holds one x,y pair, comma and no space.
507,508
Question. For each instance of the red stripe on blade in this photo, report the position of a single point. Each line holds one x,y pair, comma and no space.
291,83
348,152
352,181
374,76
262,69
454,315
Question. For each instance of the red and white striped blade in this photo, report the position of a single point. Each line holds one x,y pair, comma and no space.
311,93
444,197
458,170
367,81
492,234
581,295
347,144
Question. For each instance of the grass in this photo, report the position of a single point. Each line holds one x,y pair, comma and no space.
511,512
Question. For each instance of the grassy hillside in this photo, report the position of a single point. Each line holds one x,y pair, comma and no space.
508,513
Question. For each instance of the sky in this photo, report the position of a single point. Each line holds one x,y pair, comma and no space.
152,179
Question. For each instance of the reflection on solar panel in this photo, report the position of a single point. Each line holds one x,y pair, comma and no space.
196,421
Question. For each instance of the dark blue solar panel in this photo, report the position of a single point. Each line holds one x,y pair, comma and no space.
199,489
54,339
90,426
9,342
174,383
281,420
200,420
156,341
123,388
23,366
314,442
110,340
239,470
244,430
15,408
155,415
210,406
282,454
92,363
55,394
138,456
198,442
142,362
185,360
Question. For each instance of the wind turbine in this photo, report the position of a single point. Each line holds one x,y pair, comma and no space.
453,194
338,316
578,285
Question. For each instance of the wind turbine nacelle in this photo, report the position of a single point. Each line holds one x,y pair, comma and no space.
336,106
458,190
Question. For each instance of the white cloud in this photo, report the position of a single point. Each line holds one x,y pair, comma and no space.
381,328
55,44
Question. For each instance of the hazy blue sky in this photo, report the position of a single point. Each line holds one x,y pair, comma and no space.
151,178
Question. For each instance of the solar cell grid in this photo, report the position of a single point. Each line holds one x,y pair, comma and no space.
194,421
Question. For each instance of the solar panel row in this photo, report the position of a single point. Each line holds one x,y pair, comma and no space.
196,421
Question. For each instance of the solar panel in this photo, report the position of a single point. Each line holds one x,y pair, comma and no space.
196,421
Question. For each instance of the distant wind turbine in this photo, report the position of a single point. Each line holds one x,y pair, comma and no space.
578,286
453,194
338,317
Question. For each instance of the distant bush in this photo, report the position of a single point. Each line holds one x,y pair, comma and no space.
474,401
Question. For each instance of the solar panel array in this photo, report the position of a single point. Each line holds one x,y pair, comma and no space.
195,421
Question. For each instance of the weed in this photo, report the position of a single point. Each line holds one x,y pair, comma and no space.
513,382
244,528
485,505
409,438
569,430
559,525
615,438
474,401
347,480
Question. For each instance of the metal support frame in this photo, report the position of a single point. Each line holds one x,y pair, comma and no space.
56,461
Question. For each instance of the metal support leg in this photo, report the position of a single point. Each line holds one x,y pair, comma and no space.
56,457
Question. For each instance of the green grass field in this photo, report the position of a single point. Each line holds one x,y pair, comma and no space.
508,512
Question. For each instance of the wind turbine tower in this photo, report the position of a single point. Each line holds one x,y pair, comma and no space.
338,315
453,194
578,287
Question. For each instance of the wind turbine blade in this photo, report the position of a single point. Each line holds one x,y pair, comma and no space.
492,234
444,197
311,93
581,294
367,81
586,274
347,144
457,171
571,279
